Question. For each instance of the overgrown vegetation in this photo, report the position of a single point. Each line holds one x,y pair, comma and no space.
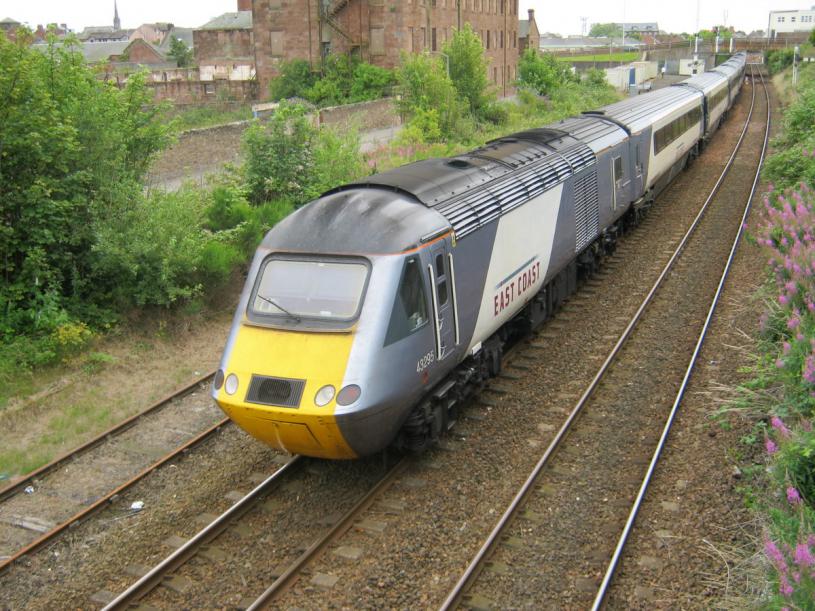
794,161
341,80
73,152
783,390
84,245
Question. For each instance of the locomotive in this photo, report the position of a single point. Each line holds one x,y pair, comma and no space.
371,314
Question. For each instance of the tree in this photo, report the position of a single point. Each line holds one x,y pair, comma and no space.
812,37
468,69
73,153
180,52
294,80
605,29
424,85
542,73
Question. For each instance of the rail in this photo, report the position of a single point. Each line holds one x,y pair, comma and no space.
475,566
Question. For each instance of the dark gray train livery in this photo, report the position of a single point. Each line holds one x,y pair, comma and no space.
372,313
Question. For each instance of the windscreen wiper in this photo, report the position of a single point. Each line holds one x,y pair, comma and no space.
279,307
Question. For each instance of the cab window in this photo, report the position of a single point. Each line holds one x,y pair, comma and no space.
410,306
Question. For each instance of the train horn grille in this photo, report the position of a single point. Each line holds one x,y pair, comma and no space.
280,392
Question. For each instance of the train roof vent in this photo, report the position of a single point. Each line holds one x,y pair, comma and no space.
459,163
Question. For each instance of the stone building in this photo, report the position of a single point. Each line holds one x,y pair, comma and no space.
379,31
224,47
528,34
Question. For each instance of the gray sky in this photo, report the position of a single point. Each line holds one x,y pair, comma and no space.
561,17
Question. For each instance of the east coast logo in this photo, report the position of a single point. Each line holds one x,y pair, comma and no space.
516,285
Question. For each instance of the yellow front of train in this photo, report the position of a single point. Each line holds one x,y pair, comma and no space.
283,373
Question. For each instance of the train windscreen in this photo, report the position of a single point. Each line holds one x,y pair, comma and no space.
313,289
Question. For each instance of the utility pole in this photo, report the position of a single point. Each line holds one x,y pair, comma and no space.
795,65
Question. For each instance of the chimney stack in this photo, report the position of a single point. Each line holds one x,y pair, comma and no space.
244,5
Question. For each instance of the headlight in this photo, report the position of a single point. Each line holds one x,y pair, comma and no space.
231,386
218,381
349,394
324,395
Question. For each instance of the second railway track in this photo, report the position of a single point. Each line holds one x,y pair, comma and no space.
40,506
558,535
433,518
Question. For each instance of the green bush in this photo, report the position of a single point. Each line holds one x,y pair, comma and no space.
543,73
341,80
778,59
295,79
468,70
280,155
74,153
424,85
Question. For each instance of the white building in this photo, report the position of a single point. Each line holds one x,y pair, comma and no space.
788,22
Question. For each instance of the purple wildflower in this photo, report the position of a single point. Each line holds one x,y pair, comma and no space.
770,446
784,586
803,555
775,554
779,426
792,496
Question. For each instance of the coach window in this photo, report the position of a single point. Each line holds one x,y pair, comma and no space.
441,280
618,169
410,307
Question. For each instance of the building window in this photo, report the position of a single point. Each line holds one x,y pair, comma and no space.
502,39
277,43
792,18
502,6
424,38
377,41
433,40
209,88
495,75
488,39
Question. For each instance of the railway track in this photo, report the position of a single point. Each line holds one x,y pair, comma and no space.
214,544
574,501
50,500
207,570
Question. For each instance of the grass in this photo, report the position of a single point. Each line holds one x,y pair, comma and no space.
62,431
208,116
625,57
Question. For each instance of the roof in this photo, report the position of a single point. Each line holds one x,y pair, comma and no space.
523,28
648,26
183,34
704,82
93,52
640,111
9,21
241,20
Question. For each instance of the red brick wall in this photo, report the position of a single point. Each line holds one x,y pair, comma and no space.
212,46
140,52
407,25
244,5
198,92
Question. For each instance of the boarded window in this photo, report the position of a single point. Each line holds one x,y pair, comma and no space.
277,43
377,41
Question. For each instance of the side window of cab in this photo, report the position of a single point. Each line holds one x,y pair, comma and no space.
410,306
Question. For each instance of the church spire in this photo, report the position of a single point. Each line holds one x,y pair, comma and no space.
117,24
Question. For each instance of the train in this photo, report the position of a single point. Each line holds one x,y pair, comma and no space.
372,314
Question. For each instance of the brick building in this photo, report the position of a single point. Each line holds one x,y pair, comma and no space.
378,31
224,47
528,34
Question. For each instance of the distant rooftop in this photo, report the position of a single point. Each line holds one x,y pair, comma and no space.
241,20
9,21
649,26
